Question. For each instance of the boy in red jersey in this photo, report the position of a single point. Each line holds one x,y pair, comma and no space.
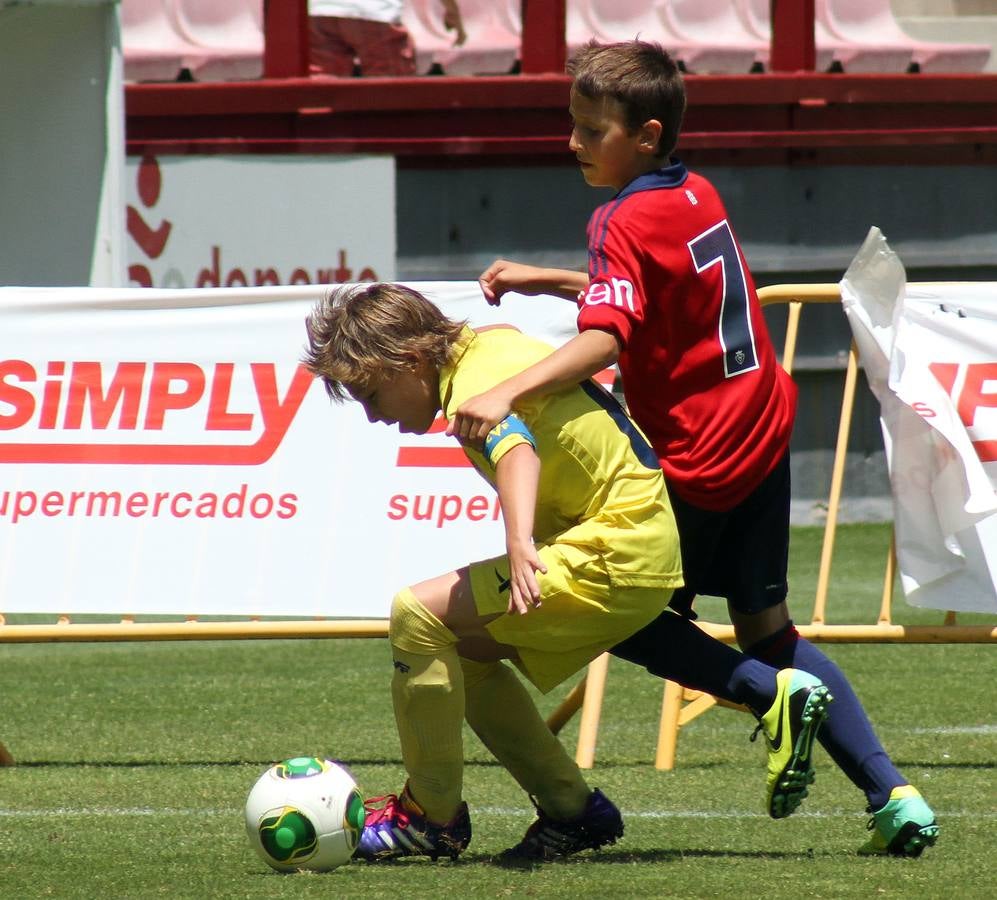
668,296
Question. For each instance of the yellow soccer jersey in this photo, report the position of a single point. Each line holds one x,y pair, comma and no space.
601,487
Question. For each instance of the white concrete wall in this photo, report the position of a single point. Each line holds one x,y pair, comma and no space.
61,144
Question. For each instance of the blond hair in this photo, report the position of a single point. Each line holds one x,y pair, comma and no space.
356,332
642,77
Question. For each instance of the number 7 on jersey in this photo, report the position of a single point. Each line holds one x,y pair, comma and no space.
737,340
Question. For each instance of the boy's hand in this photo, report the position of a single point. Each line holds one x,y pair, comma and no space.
477,416
503,275
524,589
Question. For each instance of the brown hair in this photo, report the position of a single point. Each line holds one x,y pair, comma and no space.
641,76
356,332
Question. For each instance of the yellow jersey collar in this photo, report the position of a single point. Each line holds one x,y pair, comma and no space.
447,372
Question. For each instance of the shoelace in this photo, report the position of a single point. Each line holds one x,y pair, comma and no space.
385,809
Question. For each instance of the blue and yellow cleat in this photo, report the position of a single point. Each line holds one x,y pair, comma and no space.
790,727
904,827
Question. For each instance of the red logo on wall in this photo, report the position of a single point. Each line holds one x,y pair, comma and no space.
151,240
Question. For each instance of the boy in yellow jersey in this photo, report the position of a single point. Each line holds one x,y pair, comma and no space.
592,555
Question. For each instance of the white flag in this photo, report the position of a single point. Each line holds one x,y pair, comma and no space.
930,355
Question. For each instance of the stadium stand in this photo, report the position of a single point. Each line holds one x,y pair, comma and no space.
491,48
229,34
712,37
866,24
153,49
223,40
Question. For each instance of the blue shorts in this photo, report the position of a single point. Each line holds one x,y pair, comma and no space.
740,554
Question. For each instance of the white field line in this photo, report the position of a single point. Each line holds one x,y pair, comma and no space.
489,811
954,729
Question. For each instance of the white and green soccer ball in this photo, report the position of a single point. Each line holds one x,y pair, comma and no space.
305,813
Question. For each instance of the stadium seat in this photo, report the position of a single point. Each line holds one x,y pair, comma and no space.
491,47
423,19
871,23
578,28
757,15
860,50
712,36
624,20
228,33
510,15
152,48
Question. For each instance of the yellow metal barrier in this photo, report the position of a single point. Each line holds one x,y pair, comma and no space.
681,706
191,629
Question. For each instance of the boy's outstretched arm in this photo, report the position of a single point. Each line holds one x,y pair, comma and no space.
504,275
582,357
517,475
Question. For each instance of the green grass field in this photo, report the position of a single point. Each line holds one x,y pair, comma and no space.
134,761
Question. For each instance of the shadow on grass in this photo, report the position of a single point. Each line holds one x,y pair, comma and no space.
604,857
198,763
137,763
658,855
238,763
384,761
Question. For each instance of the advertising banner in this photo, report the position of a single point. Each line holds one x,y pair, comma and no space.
930,355
163,452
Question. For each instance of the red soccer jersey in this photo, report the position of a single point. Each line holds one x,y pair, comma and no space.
668,278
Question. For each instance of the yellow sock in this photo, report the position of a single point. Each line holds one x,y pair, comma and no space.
427,691
504,716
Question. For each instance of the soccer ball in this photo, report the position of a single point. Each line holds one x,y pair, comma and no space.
305,813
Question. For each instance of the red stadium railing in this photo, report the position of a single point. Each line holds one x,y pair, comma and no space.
543,37
790,115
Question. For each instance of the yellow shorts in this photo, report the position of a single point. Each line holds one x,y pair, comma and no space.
580,615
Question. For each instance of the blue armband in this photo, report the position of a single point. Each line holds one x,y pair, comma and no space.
509,426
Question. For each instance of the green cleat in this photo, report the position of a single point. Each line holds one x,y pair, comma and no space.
904,827
790,727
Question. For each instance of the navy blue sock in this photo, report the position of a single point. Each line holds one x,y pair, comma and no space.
672,647
847,735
